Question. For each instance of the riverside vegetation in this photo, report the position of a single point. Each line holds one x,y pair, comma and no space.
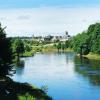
86,43
11,49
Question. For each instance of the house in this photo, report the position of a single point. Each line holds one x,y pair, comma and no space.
56,38
61,38
37,38
48,38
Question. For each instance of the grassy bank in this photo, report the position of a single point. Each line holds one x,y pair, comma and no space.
53,49
45,49
34,50
93,56
28,54
20,91
49,49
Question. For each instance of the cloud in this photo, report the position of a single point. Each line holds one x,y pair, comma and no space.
24,17
46,20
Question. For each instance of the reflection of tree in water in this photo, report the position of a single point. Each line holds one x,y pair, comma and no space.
20,67
88,68
69,56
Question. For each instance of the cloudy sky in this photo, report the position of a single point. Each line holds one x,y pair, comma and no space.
43,17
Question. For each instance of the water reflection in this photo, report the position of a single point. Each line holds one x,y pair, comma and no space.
20,67
69,57
70,76
89,69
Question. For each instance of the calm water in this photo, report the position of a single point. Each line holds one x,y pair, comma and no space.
67,77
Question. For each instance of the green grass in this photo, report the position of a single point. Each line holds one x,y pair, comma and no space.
93,56
33,51
26,97
28,54
54,49
49,49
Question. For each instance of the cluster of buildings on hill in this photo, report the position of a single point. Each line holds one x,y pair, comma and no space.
51,38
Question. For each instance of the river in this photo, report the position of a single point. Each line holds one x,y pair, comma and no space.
67,77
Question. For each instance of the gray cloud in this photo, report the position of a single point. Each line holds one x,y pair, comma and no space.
24,17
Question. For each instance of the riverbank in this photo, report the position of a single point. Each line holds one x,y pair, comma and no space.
28,54
34,50
93,56
11,90
45,49
50,49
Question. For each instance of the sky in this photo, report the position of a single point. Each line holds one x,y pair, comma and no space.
45,17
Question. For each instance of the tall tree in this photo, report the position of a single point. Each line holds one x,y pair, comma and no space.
5,53
88,41
59,46
18,47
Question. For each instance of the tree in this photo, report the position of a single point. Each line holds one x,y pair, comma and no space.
28,48
67,43
88,41
59,46
18,47
5,53
63,46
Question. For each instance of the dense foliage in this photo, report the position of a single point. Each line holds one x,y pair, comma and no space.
88,41
18,47
5,53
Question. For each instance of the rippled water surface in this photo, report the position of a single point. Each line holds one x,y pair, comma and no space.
67,77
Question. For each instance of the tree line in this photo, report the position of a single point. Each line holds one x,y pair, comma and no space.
83,43
87,41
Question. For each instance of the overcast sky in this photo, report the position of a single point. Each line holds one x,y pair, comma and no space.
43,17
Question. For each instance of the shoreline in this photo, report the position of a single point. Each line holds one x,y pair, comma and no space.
91,56
21,91
50,50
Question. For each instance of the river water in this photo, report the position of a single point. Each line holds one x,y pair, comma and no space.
66,76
